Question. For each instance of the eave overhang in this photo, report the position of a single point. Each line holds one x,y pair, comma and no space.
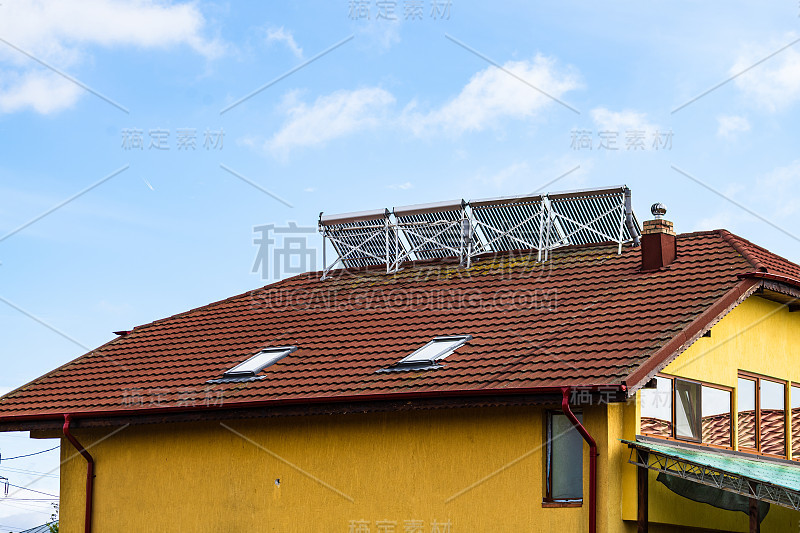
680,342
364,403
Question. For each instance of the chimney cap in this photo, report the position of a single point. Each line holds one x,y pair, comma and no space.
658,210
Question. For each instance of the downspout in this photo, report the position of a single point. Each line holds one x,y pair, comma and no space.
629,223
89,472
592,458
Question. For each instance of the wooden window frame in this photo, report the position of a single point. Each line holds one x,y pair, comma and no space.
791,419
673,437
731,407
758,378
675,410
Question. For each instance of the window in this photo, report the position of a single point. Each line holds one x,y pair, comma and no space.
437,349
248,369
746,413
564,465
772,417
796,422
716,421
761,412
657,408
687,410
427,357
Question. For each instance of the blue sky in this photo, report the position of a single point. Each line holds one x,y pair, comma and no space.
380,113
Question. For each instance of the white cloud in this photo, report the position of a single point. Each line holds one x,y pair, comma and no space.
780,190
774,84
379,36
720,220
730,125
401,186
621,121
43,91
309,189
284,36
490,97
61,34
500,179
493,95
329,117
541,175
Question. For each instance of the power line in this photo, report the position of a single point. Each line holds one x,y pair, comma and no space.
28,499
28,472
36,491
28,455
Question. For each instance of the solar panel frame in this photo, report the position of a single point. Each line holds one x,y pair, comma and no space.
360,239
521,218
540,222
432,231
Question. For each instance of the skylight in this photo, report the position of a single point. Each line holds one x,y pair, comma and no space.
249,369
429,355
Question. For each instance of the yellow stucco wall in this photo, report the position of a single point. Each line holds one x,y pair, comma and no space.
396,467
759,336
478,469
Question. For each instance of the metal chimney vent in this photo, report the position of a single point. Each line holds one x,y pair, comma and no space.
465,229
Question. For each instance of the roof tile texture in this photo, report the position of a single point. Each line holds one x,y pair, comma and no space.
585,317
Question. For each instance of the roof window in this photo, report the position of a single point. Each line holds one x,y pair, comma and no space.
248,370
428,357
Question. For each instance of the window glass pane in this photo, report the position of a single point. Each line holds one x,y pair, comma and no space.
657,409
795,422
687,409
434,350
259,362
773,418
716,416
746,412
564,459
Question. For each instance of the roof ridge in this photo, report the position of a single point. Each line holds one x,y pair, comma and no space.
699,233
736,242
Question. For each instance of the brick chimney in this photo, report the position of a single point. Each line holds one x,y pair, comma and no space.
659,246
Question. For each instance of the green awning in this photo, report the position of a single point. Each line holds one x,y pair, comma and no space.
774,481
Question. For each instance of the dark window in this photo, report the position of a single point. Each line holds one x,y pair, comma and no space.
564,468
687,410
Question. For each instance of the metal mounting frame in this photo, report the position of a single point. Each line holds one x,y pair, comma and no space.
461,229
720,479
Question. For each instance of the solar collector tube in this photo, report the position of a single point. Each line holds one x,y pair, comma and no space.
357,216
421,209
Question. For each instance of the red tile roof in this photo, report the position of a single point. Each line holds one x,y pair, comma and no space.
761,258
747,429
717,429
656,426
585,317
773,431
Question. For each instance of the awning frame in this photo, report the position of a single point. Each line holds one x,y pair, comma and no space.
644,456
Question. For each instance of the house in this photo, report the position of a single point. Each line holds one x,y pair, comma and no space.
38,529
562,386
